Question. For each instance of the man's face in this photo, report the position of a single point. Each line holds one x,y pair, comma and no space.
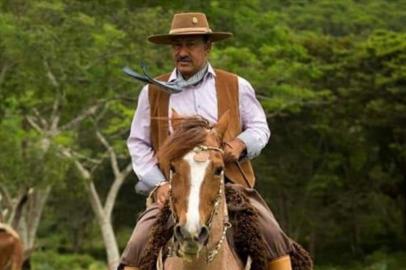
190,54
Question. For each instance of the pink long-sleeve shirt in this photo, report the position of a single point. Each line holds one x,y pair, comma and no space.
194,100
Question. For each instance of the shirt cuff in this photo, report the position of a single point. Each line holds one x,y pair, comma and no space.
153,177
251,142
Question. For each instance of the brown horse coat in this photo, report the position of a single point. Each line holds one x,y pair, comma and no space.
11,249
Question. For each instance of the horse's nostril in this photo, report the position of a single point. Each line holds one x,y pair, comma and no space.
178,232
181,233
204,234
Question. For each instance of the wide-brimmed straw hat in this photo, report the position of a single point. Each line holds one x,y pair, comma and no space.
189,24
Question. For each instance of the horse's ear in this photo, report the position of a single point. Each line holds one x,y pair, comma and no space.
176,119
222,125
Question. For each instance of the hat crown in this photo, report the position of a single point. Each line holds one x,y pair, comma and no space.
191,22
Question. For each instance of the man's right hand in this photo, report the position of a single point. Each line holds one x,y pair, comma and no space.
162,194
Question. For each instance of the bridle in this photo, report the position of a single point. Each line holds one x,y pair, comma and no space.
173,247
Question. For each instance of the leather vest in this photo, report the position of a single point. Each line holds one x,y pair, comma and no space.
227,99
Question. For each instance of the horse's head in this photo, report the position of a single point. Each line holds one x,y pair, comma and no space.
195,159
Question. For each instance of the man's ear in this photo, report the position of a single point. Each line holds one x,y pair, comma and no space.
222,125
176,120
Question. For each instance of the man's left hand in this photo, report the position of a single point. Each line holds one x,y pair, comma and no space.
233,150
162,194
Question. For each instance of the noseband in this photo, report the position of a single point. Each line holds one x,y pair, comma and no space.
173,248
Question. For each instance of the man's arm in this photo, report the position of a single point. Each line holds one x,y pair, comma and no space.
256,133
140,148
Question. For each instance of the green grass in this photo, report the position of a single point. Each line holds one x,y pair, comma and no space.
51,260
376,261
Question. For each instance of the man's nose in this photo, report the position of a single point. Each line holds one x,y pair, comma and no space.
182,50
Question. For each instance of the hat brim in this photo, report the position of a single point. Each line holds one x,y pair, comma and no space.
168,38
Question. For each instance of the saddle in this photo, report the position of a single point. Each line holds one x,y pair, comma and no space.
243,237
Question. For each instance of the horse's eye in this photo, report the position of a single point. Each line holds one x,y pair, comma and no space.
218,171
172,168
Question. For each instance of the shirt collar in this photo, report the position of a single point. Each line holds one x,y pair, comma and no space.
210,70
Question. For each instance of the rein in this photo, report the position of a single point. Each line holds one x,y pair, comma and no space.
173,248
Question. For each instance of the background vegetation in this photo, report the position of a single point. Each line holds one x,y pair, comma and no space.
330,74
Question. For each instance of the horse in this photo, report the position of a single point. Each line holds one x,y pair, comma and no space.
197,196
11,249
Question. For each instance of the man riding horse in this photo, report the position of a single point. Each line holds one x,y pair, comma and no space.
209,93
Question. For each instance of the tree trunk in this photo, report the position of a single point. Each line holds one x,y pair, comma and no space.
103,213
110,243
29,223
106,227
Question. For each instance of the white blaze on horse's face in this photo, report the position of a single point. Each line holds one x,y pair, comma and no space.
196,186
198,171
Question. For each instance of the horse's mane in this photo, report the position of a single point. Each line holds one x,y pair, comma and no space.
189,132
